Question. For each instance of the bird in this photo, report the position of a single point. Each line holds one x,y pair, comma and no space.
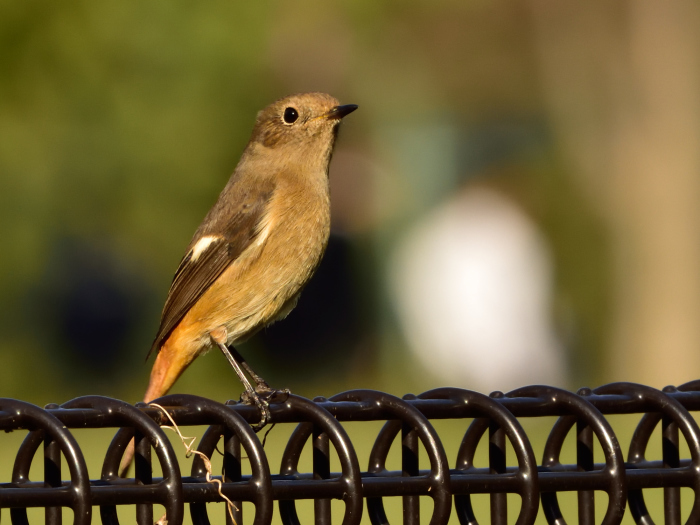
256,248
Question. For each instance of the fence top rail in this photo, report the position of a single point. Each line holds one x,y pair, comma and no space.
537,403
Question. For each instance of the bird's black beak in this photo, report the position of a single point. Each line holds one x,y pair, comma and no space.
339,112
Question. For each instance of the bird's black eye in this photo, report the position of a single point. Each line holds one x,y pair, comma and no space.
290,115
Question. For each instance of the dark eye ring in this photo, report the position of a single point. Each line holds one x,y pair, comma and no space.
290,115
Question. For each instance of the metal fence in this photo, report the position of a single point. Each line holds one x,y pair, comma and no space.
450,482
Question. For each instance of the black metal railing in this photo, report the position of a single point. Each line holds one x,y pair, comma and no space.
450,482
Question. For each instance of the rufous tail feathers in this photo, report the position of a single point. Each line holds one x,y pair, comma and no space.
168,367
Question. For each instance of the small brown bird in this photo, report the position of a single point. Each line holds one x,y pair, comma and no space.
257,247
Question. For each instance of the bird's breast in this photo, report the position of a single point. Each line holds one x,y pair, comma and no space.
299,226
263,283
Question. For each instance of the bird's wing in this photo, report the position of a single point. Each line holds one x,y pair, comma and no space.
209,255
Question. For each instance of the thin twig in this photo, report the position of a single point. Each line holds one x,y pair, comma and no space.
188,442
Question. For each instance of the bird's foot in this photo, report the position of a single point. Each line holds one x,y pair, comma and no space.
261,398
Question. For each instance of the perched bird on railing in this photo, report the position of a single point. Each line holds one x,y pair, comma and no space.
256,248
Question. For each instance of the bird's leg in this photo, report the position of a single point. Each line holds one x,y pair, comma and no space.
250,395
261,386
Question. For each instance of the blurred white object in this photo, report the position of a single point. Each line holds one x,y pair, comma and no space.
472,286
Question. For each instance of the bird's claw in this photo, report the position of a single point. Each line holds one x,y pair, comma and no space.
261,398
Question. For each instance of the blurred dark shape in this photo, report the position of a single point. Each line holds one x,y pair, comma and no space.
95,317
89,303
324,328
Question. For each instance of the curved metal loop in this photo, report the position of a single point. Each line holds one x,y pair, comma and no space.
258,488
611,479
690,386
403,413
349,485
670,408
76,495
169,491
636,456
526,482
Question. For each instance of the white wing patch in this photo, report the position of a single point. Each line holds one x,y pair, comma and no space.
264,228
202,244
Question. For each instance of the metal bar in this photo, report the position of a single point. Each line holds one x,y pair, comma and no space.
409,468
52,476
144,476
497,465
233,472
322,471
584,457
353,411
671,459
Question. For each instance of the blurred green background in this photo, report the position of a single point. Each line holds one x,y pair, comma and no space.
570,128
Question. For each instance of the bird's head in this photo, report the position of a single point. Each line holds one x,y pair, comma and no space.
306,121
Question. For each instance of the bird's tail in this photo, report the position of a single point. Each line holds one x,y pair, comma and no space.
168,367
